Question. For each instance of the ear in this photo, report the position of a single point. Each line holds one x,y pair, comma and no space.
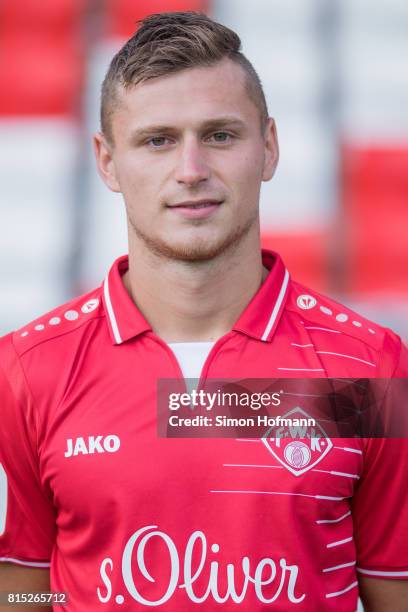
271,150
105,163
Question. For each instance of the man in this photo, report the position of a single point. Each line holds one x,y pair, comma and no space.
125,519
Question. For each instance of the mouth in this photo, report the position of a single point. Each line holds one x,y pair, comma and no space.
198,209
196,204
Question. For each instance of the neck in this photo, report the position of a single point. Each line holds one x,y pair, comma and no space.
194,301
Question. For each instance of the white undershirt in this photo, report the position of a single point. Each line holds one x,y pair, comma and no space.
191,356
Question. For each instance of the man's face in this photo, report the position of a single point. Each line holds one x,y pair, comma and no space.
189,156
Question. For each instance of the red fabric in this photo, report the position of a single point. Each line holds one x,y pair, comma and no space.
78,441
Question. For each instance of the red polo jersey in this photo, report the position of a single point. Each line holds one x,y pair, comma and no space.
127,520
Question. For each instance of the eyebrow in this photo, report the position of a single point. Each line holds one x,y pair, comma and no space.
210,124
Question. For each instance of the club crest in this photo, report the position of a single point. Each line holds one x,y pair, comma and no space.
298,448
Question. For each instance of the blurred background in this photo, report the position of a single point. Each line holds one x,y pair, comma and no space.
336,80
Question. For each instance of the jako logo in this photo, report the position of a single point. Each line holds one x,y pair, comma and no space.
94,444
306,302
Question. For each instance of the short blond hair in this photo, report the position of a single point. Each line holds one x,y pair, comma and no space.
166,43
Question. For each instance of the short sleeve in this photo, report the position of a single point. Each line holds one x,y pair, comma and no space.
401,370
27,517
380,503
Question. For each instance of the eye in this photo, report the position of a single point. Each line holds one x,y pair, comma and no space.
157,141
221,137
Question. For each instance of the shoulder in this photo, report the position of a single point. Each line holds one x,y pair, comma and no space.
37,360
63,321
329,321
318,310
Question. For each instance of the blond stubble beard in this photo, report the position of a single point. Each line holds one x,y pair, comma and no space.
200,251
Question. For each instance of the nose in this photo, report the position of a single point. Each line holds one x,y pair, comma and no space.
192,167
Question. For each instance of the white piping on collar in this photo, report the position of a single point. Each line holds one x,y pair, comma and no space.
265,335
111,314
277,306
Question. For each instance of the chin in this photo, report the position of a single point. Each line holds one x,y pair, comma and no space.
190,251
195,249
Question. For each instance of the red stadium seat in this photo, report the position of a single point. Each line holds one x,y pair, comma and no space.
122,15
51,17
375,201
44,82
305,255
41,56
